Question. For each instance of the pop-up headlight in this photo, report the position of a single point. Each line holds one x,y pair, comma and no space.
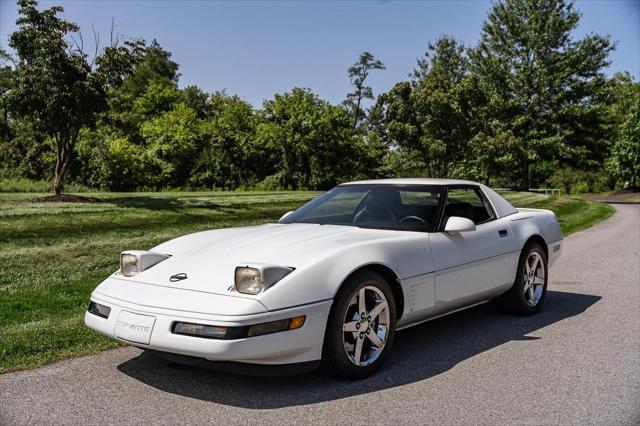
256,279
133,262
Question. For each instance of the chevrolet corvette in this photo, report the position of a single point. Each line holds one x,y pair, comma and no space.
332,282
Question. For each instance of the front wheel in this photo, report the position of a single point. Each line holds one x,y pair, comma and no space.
361,327
530,286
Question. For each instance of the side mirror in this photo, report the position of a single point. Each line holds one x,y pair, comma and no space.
285,215
456,224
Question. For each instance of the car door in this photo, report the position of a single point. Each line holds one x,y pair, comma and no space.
471,266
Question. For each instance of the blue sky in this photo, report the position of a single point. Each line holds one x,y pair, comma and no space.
258,48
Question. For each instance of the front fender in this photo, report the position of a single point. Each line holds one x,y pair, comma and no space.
406,254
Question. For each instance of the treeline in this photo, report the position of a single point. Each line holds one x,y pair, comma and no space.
528,106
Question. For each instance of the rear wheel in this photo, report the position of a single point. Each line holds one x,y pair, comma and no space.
530,286
361,327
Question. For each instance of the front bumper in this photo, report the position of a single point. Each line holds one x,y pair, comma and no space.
287,347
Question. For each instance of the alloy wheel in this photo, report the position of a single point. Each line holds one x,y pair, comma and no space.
366,326
534,277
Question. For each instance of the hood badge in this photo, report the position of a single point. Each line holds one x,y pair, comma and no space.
178,277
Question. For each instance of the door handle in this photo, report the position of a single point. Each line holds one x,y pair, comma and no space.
503,233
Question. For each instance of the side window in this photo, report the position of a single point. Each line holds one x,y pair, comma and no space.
468,203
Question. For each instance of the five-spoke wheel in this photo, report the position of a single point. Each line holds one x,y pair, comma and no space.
361,326
366,325
534,273
530,286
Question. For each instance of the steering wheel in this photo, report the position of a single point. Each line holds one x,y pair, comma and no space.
413,219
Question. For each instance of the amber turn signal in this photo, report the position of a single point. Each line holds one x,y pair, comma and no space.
296,322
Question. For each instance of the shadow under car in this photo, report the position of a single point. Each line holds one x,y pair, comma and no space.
418,353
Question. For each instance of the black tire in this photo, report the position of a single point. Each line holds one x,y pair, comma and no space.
517,300
335,359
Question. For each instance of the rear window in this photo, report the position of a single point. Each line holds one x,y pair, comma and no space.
416,198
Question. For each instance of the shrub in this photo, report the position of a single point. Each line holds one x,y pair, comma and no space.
29,185
580,188
271,183
574,181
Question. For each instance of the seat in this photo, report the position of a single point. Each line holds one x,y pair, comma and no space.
379,206
460,209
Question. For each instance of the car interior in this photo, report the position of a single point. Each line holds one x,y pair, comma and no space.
471,206
393,207
386,206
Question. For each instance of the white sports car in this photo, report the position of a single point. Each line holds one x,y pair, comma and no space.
331,282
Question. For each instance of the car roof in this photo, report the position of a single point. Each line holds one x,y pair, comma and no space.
412,181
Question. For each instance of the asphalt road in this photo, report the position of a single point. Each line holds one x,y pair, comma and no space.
578,361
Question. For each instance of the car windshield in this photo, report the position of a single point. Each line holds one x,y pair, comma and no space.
400,207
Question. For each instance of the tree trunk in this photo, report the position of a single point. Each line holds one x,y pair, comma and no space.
57,185
357,111
61,167
524,184
64,145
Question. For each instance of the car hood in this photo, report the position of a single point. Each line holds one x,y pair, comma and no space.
209,258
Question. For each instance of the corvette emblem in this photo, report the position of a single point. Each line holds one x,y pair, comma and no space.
178,277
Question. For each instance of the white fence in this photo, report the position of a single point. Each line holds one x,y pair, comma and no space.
551,191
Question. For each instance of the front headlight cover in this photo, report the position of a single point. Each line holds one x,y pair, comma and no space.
255,279
248,280
132,262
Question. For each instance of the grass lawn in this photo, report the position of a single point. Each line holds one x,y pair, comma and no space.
54,254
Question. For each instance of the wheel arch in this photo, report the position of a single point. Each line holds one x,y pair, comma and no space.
390,277
537,238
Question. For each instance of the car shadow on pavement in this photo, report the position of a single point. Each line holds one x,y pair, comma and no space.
419,353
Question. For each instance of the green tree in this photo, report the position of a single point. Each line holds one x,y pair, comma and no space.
621,95
159,97
119,61
626,151
172,141
544,86
27,153
313,142
142,86
152,75
110,161
197,100
358,73
152,63
231,157
427,119
6,84
126,150
491,155
54,84
55,87
395,119
442,100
